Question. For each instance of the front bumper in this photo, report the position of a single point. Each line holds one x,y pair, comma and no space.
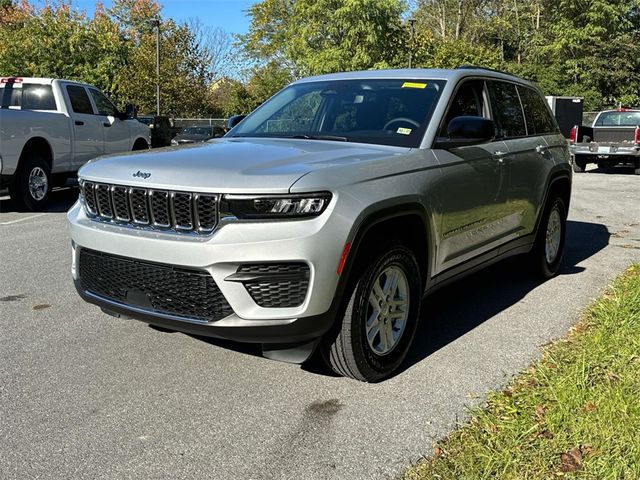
290,331
606,152
312,241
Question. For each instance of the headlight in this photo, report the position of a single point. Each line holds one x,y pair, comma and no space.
174,142
275,206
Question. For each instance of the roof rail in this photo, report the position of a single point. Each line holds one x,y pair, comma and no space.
476,67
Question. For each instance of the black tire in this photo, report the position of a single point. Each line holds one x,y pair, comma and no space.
538,256
140,145
579,165
19,190
346,349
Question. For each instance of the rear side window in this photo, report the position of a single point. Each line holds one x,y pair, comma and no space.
29,97
539,120
79,99
507,112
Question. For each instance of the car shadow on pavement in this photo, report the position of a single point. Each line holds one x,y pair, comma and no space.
60,200
486,293
616,170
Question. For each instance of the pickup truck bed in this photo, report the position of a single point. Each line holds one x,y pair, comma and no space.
606,146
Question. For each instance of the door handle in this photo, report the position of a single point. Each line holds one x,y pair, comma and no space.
79,122
541,149
498,156
106,124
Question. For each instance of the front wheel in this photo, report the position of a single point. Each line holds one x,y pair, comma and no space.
31,186
548,249
374,335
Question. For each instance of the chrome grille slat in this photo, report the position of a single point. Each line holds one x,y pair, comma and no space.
180,212
90,197
103,200
139,206
120,201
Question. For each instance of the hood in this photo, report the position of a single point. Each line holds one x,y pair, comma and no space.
231,165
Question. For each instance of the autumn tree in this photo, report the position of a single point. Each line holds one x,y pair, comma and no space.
321,36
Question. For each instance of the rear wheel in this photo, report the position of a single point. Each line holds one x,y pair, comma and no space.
579,164
31,186
549,245
372,338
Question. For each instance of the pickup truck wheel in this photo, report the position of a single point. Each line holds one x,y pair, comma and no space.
30,188
547,251
579,165
372,338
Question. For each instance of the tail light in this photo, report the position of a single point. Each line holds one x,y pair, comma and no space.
573,135
637,137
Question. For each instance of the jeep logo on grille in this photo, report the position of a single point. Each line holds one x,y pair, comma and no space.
140,174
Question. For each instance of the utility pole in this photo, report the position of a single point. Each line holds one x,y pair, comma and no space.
155,23
411,22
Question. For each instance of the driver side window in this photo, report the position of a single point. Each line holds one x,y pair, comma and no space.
468,101
103,104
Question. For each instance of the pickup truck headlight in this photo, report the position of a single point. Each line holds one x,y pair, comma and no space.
275,206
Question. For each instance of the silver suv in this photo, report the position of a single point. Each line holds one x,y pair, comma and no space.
321,220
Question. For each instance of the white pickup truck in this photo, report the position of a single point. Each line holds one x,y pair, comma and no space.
50,128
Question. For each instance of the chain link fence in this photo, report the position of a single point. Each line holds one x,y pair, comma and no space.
199,122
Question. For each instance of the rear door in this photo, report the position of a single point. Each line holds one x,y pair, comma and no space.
86,125
471,191
116,134
521,165
550,148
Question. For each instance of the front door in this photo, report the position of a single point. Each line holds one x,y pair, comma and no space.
116,133
472,188
87,127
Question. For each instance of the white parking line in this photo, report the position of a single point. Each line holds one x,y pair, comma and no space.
22,219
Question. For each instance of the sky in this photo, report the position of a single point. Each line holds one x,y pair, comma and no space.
226,14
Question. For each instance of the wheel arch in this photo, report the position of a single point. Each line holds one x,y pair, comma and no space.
38,145
140,143
409,223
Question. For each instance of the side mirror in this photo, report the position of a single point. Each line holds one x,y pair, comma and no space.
467,130
234,120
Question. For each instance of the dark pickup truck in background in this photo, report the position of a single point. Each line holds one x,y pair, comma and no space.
614,139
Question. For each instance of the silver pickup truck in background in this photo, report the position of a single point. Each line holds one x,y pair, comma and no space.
50,128
614,139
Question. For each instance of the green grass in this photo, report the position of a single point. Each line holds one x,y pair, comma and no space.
573,414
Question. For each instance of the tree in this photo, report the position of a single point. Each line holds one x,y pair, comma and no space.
320,36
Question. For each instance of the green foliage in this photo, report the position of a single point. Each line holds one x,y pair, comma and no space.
573,414
588,48
115,50
321,36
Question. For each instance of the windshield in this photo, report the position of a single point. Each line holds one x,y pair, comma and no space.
386,112
197,130
619,119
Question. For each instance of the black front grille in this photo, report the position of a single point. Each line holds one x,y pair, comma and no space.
156,209
277,285
191,294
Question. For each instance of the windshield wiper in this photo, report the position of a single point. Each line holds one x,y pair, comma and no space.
320,137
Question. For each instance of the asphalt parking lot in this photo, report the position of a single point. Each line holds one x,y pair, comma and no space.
84,395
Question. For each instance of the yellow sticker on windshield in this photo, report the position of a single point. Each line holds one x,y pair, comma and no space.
414,85
404,131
